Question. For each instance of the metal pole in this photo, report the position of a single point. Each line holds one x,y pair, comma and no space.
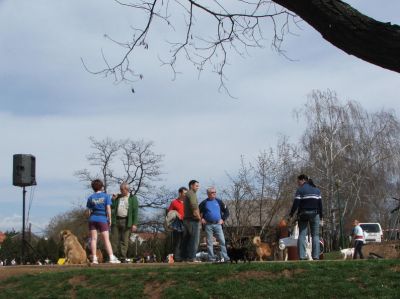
23,227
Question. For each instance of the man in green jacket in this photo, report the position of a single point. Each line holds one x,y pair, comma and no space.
124,215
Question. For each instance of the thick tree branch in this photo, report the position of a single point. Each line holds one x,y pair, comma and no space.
351,31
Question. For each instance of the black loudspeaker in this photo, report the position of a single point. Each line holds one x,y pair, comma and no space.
24,170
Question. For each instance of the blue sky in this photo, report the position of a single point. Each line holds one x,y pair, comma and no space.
49,105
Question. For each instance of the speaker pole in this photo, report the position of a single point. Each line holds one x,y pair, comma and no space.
23,227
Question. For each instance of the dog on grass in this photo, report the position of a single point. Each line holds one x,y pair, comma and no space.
86,245
347,253
74,253
263,250
239,254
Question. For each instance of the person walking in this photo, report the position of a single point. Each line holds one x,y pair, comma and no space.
99,212
191,223
124,209
308,204
213,215
177,230
359,239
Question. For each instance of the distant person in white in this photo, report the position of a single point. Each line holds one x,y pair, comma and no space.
358,237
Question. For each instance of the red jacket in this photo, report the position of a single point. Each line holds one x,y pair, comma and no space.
177,205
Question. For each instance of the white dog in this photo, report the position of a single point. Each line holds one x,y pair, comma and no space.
347,253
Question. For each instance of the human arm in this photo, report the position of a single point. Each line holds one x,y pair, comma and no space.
224,211
320,210
108,211
296,203
88,211
135,213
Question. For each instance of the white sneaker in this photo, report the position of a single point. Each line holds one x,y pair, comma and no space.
114,260
95,261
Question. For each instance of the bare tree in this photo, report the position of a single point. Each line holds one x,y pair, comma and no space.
261,192
104,152
134,162
354,156
239,25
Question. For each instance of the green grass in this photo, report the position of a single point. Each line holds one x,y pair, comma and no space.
324,279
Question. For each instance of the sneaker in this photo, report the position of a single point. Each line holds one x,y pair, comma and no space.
114,260
95,261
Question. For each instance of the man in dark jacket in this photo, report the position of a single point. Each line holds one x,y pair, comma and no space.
213,215
308,204
124,213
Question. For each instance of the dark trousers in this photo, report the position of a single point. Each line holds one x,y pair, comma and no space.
177,241
358,249
191,238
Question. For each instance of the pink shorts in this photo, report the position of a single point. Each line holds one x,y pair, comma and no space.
100,226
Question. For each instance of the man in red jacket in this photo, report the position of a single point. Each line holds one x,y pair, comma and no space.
177,236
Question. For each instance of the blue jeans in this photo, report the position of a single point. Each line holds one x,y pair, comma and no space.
191,238
216,229
301,242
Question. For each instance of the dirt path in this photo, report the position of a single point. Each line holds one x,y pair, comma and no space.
9,271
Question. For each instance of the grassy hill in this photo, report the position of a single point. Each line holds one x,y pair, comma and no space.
323,279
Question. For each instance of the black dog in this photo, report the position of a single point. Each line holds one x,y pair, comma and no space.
239,254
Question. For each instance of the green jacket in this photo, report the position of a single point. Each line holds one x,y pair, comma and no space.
191,206
133,210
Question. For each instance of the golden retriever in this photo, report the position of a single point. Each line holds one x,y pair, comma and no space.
74,253
86,246
263,250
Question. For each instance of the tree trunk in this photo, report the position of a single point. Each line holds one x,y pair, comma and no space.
349,30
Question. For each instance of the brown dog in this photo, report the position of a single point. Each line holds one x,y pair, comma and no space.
74,253
86,246
263,249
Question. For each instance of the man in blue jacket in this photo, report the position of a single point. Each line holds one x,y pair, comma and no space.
213,215
308,204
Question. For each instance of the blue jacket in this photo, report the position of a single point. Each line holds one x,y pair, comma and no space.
307,198
223,208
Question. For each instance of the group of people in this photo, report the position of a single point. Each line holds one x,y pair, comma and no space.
117,213
186,217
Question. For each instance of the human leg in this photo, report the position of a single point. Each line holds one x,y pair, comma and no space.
210,245
314,226
93,244
186,239
194,238
219,233
357,249
360,250
301,241
177,245
114,238
124,238
107,244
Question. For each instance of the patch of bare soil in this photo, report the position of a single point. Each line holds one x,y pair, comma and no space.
253,274
155,289
381,250
395,268
9,271
75,281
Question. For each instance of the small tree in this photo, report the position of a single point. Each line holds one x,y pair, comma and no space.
130,161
